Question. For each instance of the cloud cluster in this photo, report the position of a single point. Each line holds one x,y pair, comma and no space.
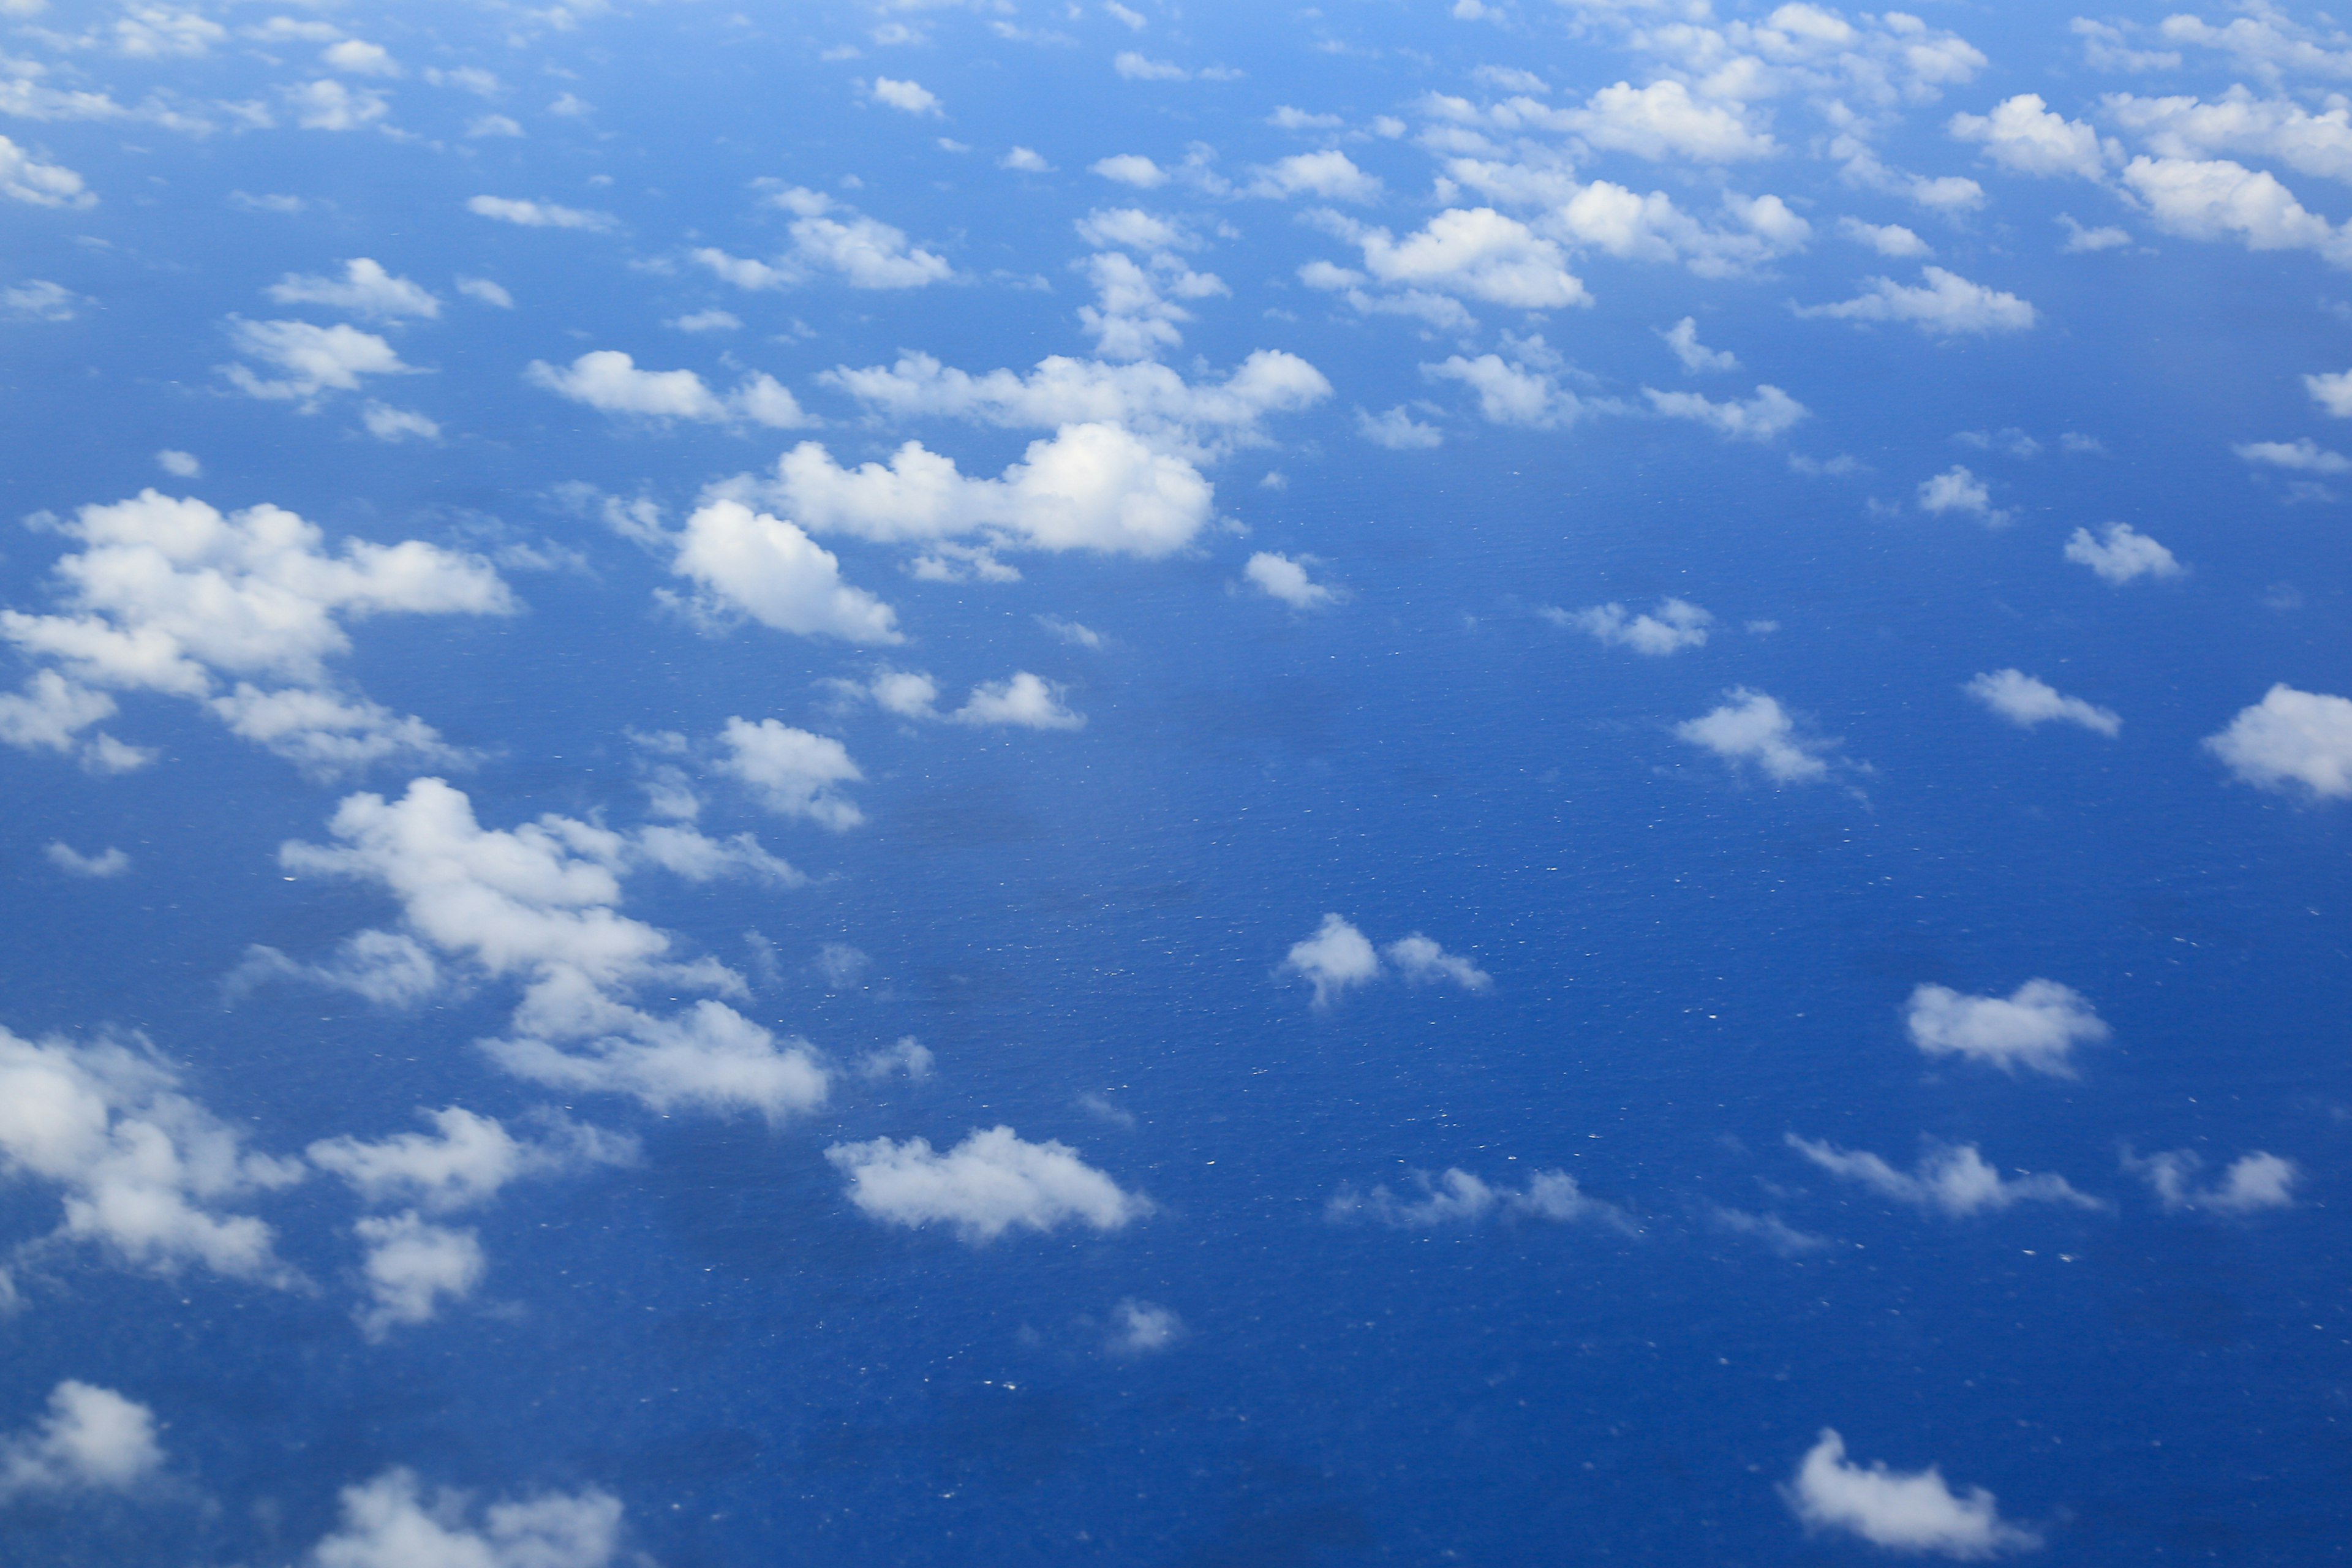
1674,625
1024,702
2252,1183
1456,1198
1339,957
993,1182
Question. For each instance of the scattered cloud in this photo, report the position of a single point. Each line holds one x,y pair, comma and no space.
1456,1198
388,1524
1695,356
906,97
1762,418
1281,577
990,1182
2022,135
1890,239
1672,626
1958,490
1329,174
2120,554
313,359
793,771
1902,1510
2025,703
1335,959
92,1439
1944,305
1953,1181
365,289
100,867
1143,1328
1752,727
1397,431
541,214
1422,962
2302,456
2035,1028
2252,1183
2291,740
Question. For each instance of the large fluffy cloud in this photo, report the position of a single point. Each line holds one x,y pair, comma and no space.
1902,1510
990,1182
2291,740
2036,1027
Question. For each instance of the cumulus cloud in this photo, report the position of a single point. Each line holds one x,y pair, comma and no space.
906,97
1956,489
540,214
466,1160
1753,728
1024,702
1336,957
143,1172
831,240
1397,431
2120,554
330,105
365,289
311,359
1456,1198
1902,1510
1142,1328
2301,455
2291,740
1696,356
387,1523
26,178
173,597
1475,252
764,567
1886,238
2023,135
2220,199
2025,703
1664,121
1280,577
1026,160
73,863
1953,1181
2332,393
2036,1027
1422,962
539,904
990,1182
410,1264
793,773
92,1439
386,422
1519,387
1130,169
1944,305
1672,626
1331,174
2251,1183
1132,317
610,382
481,290
1762,417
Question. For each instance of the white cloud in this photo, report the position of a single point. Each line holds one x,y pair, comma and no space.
1886,238
365,289
610,382
50,714
1520,390
1132,318
1456,1198
1138,67
179,464
314,359
1286,117
1753,728
1397,431
386,422
37,299
1955,1180
2238,121
506,125
356,57
2332,392
707,322
539,903
2302,456
92,1439
1091,486
1026,702
2022,134
2035,1027
2025,703
793,771
1133,228
1676,623
1142,1328
171,595
832,240
98,867
990,1182
2266,42
410,1265
328,105
1762,417
2290,739
386,1524
1130,169
143,1171
1664,121
1026,160
1904,1511
1475,252
2218,199
1280,577
1422,962
2081,241
906,97
2252,1183
1337,957
538,215
2121,553
1945,305
1331,174
1071,632
1696,356
1958,489
466,1160
768,569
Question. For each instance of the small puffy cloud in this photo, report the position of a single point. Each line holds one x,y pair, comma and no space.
37,299
313,359
98,867
2036,1027
831,239
1135,66
2218,199
328,105
1479,254
538,215
1456,1198
1026,702
1945,305
767,568
1281,577
1696,356
1886,238
1331,174
2025,703
387,1524
1956,1182
386,422
2120,554
1520,389
1422,962
2291,740
990,1182
1397,431
1956,489
2081,241
26,178
1026,161
1762,417
610,382
1902,1510
465,1161
906,97
1142,1328
356,57
1133,317
501,125
1286,117
2332,393
1337,957
92,1439
365,289
483,291
1674,625
2022,134
141,1170
410,1264
2252,1183
792,772
2302,456
1663,121
1752,727
707,322
1130,169
1132,228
